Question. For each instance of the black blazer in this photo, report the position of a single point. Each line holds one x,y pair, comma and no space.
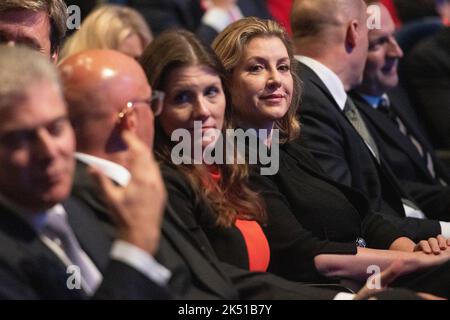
402,156
30,270
343,155
186,252
292,247
428,77
331,211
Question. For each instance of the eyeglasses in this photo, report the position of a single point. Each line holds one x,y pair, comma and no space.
156,103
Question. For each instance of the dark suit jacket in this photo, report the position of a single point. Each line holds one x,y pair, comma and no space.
331,211
187,14
343,155
403,158
428,77
30,270
196,271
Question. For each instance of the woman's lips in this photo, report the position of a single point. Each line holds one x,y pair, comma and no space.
273,98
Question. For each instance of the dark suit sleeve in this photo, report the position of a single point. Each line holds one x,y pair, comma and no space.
379,232
288,239
122,282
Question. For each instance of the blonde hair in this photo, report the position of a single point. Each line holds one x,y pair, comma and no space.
106,28
229,46
57,13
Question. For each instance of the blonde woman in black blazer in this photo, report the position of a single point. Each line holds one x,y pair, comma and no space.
257,56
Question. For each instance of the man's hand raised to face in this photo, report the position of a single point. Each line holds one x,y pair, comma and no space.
138,208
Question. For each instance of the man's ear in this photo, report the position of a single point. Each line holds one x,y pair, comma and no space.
129,122
351,35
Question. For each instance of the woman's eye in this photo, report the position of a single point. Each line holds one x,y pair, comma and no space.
284,67
256,68
182,97
211,91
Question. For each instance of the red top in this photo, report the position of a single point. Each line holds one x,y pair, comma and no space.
258,249
391,7
281,11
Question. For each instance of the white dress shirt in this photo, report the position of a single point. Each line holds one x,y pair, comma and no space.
219,19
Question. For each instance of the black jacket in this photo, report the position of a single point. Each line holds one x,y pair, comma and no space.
403,158
343,155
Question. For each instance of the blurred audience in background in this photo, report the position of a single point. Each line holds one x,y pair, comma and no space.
206,18
427,71
111,27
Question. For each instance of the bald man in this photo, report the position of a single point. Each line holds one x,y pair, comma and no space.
331,43
392,122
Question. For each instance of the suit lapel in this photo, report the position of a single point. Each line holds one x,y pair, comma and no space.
45,272
199,258
91,234
85,189
390,131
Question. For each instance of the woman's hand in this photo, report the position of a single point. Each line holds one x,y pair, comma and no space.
433,245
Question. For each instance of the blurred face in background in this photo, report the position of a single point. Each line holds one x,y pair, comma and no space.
380,72
26,27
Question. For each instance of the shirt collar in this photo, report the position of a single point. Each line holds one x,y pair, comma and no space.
373,101
328,77
114,171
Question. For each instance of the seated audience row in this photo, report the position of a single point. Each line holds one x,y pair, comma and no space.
336,203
